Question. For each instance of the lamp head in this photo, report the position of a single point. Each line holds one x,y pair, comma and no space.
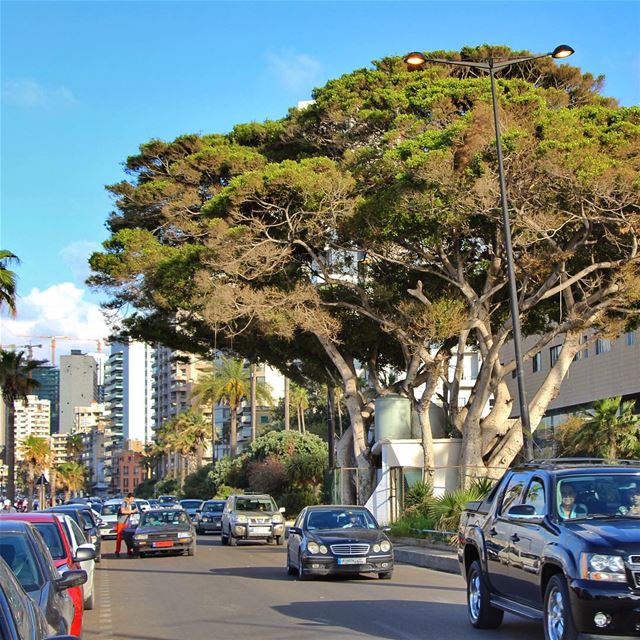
562,51
415,60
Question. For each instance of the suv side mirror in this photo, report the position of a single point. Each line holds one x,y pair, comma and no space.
524,513
295,530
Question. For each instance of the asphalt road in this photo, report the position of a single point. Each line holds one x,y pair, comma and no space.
229,593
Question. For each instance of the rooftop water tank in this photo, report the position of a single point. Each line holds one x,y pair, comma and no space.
393,418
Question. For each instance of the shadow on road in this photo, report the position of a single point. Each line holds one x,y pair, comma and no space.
410,620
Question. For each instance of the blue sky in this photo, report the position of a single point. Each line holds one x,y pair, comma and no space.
84,83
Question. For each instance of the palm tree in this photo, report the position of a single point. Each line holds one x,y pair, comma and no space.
610,430
229,383
74,446
300,400
36,453
8,281
188,438
15,384
70,477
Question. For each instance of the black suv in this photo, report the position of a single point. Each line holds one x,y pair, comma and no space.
557,541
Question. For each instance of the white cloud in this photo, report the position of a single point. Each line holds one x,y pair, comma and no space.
60,310
31,94
76,257
297,72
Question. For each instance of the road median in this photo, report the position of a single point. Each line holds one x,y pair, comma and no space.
422,553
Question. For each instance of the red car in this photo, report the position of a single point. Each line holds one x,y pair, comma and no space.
50,528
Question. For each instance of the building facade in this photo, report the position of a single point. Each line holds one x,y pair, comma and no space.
128,471
48,379
78,386
32,418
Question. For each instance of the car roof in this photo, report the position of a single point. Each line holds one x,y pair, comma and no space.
580,465
20,526
30,516
112,501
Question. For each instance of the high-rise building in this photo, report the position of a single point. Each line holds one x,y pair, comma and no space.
31,419
129,390
59,452
48,379
78,386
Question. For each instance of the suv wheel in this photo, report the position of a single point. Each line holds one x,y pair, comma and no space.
232,541
224,539
481,614
301,572
558,620
280,540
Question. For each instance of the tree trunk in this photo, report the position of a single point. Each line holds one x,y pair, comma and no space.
331,425
11,450
304,426
233,433
52,485
254,415
425,423
213,435
287,419
30,487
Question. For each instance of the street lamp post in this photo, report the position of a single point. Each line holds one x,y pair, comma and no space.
416,61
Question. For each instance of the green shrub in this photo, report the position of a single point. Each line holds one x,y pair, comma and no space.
224,491
411,523
199,484
419,494
296,499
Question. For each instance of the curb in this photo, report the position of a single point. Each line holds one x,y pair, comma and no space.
432,559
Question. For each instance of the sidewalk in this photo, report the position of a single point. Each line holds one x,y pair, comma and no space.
422,554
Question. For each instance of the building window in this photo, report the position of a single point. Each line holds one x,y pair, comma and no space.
631,338
602,346
264,419
537,361
554,352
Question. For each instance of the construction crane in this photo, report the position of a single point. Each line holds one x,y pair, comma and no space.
54,341
29,347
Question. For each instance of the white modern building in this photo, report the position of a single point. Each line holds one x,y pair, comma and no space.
128,390
32,418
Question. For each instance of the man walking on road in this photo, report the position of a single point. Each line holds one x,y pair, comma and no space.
127,508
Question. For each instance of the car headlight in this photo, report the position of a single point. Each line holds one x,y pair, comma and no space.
376,548
241,519
313,547
385,546
184,535
323,549
140,536
277,519
596,566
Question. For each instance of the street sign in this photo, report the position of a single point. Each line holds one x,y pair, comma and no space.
42,480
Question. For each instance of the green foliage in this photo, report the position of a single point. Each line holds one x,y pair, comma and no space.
285,444
146,489
225,491
199,484
295,499
411,523
447,509
418,495
230,472
168,486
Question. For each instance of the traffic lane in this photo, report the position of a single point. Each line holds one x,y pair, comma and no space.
231,593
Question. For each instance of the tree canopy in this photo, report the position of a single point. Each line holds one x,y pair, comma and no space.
366,228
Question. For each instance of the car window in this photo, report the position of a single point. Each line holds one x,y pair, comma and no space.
213,505
161,518
255,504
513,492
51,535
110,509
536,497
340,519
19,555
78,533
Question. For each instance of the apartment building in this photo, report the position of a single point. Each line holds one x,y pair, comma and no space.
604,369
48,380
78,386
31,419
128,471
59,453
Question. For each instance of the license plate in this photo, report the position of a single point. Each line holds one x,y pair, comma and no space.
163,543
352,561
259,530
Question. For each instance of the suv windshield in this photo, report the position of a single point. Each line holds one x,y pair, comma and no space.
255,504
213,505
191,504
162,518
598,496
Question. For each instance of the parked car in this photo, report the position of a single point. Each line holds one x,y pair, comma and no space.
164,530
64,557
24,550
210,517
109,515
20,616
84,517
78,543
143,505
338,540
251,517
191,507
168,501
153,503
557,541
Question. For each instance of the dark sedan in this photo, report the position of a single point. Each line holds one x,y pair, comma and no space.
338,540
84,517
24,550
209,518
164,530
192,507
20,617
